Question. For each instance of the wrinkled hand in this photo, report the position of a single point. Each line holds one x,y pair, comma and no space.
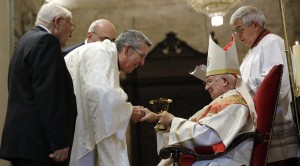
150,116
60,155
137,113
165,118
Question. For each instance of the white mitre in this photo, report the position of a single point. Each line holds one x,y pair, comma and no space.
219,61
222,60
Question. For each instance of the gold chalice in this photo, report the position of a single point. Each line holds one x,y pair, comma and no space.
160,105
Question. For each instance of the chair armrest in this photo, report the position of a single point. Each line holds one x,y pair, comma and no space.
175,151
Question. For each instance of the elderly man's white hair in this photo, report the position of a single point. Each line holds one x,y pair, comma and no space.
248,14
49,11
231,79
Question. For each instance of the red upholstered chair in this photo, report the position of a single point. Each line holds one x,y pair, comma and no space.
265,99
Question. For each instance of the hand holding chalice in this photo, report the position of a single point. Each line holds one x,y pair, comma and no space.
160,105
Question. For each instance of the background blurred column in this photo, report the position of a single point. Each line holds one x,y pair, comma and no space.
5,50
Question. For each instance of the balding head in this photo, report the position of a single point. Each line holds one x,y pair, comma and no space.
100,30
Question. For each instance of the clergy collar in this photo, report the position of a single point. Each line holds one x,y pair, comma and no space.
262,34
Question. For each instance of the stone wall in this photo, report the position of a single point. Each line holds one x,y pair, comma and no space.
157,18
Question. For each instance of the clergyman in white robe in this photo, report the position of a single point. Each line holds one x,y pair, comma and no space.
103,113
256,65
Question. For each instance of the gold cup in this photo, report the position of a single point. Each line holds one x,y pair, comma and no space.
160,105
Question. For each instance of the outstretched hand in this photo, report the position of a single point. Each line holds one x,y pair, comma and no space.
164,117
150,116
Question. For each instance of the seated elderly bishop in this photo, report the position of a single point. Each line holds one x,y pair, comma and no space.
213,128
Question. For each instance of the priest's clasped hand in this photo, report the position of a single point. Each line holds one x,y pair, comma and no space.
150,116
164,117
137,113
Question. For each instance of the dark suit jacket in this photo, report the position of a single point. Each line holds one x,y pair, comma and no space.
41,109
69,49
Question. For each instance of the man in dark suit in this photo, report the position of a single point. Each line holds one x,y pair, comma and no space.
99,30
41,113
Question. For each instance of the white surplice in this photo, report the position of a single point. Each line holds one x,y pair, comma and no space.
256,65
103,113
222,127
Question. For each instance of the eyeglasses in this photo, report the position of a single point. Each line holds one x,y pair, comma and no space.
209,82
72,25
142,55
241,29
103,38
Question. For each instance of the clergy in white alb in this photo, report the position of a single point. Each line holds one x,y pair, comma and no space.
103,113
103,110
265,51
